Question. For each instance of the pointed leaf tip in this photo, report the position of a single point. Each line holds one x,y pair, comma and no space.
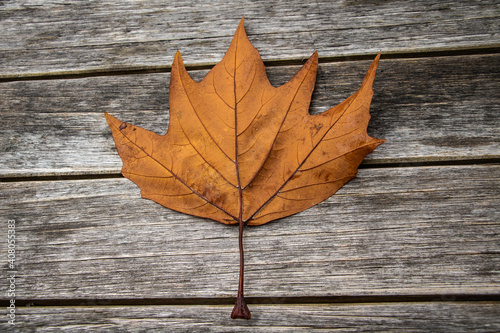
314,56
177,56
241,27
109,118
370,74
377,57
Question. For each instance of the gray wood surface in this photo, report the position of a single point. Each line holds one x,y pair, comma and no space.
445,108
391,231
416,233
74,36
383,317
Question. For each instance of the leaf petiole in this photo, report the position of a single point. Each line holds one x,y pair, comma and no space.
240,310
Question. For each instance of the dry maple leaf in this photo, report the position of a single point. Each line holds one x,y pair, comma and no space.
240,151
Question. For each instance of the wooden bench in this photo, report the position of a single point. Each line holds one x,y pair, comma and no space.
411,244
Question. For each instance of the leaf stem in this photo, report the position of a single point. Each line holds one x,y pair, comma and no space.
240,310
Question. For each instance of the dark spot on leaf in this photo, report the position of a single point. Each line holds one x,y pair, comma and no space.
296,175
122,126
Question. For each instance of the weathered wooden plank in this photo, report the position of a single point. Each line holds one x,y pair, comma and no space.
54,37
428,109
391,231
386,317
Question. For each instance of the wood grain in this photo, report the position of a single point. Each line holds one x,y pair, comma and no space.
428,109
386,317
391,231
82,36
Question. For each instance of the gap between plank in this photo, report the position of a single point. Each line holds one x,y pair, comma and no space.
79,74
376,165
259,300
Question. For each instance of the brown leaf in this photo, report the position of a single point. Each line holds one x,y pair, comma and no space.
239,150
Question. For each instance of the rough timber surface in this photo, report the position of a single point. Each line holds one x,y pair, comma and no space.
420,243
443,108
42,37
391,231
386,317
